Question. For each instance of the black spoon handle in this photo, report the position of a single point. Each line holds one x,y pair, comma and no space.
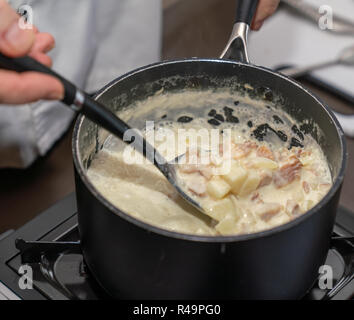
73,97
245,11
81,102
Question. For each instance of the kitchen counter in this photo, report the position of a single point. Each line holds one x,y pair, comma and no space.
192,28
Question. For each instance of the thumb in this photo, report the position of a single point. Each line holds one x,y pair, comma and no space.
14,41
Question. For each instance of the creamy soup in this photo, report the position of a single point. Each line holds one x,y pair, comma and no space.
262,170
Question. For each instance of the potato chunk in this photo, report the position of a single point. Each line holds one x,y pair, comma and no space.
219,210
308,204
263,163
250,184
218,188
235,178
227,226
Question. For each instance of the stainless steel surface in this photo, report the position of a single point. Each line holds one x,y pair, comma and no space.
6,234
345,57
347,123
238,39
300,71
340,24
79,101
6,293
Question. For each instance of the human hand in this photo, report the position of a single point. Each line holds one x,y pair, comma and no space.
19,88
265,9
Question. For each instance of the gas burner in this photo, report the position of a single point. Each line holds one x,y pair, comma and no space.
68,272
60,272
341,259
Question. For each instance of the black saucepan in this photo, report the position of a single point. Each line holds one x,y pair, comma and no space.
132,259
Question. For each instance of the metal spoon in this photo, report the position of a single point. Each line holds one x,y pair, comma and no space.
81,102
346,57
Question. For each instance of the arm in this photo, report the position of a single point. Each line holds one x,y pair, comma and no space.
26,87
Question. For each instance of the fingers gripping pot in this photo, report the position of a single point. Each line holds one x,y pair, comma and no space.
132,259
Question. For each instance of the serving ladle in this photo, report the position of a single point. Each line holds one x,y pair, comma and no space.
79,101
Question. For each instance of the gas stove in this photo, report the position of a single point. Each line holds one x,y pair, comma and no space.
43,260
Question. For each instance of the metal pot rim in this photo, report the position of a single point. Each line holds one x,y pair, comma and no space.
213,239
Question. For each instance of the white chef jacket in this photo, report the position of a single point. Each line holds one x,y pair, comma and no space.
96,41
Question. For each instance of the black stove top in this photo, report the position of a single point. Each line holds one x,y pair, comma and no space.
59,271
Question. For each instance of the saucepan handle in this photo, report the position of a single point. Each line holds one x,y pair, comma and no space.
245,11
236,48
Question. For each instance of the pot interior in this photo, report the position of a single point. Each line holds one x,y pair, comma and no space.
301,105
